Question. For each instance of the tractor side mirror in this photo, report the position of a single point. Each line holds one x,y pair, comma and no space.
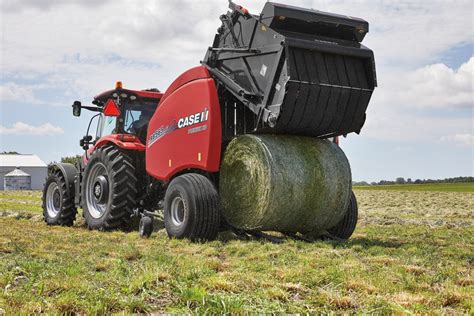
76,108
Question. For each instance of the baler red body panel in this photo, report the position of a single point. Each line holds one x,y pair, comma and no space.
185,131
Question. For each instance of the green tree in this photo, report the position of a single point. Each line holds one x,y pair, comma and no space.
10,153
400,180
71,159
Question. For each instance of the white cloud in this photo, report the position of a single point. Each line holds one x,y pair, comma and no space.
76,52
423,104
11,92
463,140
397,126
409,33
20,5
175,35
432,86
14,92
20,128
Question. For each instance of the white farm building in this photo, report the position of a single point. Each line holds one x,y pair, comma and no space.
29,164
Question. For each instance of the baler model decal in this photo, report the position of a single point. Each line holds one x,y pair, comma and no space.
161,132
183,122
197,129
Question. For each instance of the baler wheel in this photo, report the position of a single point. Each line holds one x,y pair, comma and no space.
191,208
58,205
345,228
109,189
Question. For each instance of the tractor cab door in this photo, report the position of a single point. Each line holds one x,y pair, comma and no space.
108,126
136,116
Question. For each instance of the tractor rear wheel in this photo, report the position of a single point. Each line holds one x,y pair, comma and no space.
58,204
108,189
191,208
345,228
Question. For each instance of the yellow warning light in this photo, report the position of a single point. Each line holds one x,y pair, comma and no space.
169,163
118,85
199,156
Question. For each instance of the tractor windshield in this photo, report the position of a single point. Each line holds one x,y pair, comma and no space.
136,117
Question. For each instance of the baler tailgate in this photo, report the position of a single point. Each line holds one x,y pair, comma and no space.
326,94
301,71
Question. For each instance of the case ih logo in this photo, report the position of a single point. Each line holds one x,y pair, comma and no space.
193,119
183,122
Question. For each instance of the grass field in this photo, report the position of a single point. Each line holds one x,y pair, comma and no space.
434,187
412,252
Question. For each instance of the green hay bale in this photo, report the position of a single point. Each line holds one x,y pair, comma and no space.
284,183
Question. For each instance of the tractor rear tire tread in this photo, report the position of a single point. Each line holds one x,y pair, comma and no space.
67,213
122,175
344,229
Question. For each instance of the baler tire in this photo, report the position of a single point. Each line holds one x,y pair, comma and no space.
344,229
121,184
198,200
65,209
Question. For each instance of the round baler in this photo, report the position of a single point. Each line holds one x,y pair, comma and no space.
247,141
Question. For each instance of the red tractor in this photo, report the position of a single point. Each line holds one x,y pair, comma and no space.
287,71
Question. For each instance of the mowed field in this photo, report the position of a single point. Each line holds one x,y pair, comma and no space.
433,187
413,251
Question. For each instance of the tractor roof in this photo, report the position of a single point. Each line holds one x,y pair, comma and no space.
152,94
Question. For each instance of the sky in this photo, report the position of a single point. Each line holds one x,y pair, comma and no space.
419,121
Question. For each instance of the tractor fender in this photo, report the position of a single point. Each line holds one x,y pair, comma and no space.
68,171
118,140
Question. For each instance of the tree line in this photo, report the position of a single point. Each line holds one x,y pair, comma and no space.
401,180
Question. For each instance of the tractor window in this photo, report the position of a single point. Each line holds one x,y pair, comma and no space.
130,117
110,123
137,116
98,132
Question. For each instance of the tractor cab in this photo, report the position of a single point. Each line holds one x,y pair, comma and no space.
122,112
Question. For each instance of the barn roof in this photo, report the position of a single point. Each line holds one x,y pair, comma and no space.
17,173
7,160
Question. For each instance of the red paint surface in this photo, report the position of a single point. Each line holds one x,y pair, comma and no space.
195,73
191,93
115,139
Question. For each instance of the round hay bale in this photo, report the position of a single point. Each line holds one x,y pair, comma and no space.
284,183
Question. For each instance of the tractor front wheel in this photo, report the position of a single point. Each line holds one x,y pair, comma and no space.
191,208
58,204
108,189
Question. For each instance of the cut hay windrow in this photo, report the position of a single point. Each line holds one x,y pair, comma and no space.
284,183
